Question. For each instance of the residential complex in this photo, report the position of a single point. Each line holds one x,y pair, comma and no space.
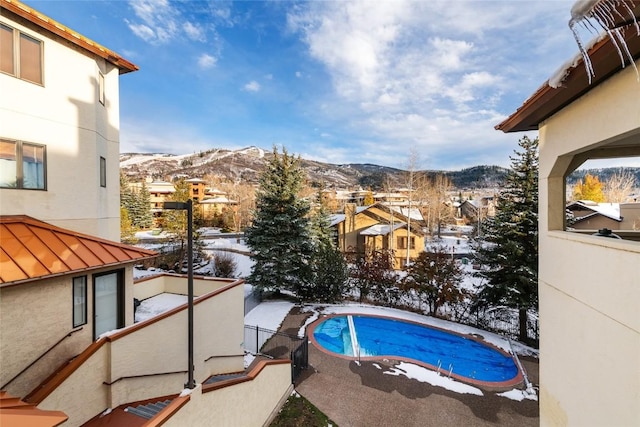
71,349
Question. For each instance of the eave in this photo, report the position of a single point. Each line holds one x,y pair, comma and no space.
68,34
547,101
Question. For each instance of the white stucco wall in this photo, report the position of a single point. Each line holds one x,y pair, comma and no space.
589,286
64,114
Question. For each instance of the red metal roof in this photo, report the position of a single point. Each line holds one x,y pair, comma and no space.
32,249
68,34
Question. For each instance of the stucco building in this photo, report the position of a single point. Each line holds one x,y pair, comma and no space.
70,347
589,286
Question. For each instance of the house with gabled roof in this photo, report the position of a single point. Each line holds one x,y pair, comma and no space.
71,351
589,285
364,229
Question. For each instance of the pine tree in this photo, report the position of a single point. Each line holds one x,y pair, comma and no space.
279,237
127,197
144,215
509,253
330,270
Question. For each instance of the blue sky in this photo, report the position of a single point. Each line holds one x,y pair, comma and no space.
335,81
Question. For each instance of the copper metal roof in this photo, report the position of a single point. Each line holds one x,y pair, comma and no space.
15,412
32,249
547,101
68,34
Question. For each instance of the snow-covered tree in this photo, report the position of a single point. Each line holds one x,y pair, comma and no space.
509,253
279,237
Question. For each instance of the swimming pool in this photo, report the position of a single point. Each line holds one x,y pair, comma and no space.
371,337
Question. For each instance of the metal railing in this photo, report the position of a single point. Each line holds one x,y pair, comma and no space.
273,344
40,357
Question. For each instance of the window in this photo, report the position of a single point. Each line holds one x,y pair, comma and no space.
101,87
21,55
103,172
22,165
402,242
79,301
108,302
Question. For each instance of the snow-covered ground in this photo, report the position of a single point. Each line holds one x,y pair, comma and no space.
270,315
211,246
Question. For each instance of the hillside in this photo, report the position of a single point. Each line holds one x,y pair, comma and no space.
246,165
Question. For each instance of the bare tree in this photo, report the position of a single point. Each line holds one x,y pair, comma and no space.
619,186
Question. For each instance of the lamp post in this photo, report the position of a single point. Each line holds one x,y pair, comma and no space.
188,206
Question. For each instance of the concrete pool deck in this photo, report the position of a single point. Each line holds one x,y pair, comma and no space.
362,395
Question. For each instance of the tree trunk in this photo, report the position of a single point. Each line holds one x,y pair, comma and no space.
523,324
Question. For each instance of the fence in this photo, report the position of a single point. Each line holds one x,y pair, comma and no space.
505,321
278,345
251,300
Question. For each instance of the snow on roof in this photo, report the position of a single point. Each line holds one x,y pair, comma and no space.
215,200
412,213
610,210
337,219
381,229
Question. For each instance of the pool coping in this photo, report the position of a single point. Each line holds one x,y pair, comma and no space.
492,385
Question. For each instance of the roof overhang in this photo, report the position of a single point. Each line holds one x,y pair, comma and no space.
66,33
32,250
606,62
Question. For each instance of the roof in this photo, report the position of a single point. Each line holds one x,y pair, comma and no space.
609,210
605,59
15,412
68,34
32,250
381,229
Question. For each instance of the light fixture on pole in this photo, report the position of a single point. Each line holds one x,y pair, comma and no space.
188,206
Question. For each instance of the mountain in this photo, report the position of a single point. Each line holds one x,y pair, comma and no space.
246,165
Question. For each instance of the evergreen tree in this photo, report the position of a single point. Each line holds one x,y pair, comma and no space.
330,270
509,253
144,217
320,223
279,237
127,197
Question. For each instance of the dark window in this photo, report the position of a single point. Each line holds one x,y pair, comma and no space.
402,242
20,55
79,301
103,172
22,165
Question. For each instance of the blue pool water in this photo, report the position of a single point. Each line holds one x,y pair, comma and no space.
377,336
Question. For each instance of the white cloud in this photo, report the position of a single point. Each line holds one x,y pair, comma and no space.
298,74
160,21
206,61
252,86
194,32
